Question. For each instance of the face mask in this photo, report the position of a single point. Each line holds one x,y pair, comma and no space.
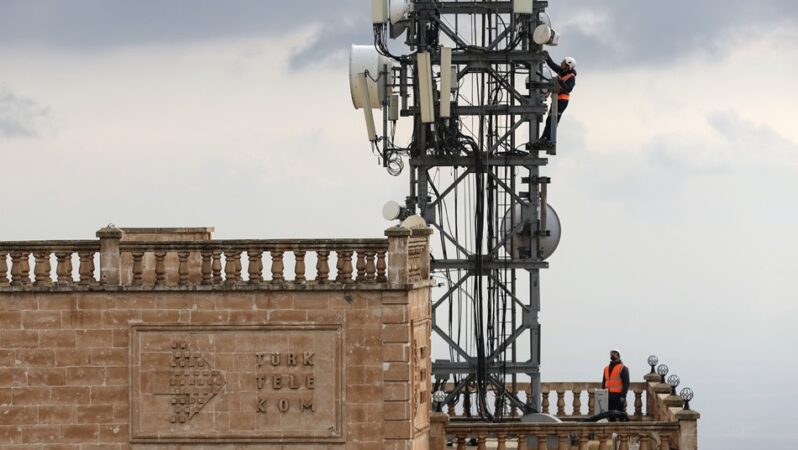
613,358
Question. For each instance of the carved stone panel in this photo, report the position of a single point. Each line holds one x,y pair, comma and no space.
421,374
223,384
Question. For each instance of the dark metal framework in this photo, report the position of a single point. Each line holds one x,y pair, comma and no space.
470,176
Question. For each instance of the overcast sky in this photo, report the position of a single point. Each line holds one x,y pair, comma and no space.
676,178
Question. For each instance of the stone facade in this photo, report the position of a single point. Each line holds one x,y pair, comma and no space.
312,365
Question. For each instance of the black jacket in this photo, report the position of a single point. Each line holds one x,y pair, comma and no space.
568,85
624,377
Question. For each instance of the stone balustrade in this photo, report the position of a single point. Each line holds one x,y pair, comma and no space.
566,400
18,274
658,420
313,262
565,436
215,264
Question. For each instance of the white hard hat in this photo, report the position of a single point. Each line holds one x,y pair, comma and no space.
615,350
570,62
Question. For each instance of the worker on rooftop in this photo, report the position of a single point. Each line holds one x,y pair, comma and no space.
616,381
566,81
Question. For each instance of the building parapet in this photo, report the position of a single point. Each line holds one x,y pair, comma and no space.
117,262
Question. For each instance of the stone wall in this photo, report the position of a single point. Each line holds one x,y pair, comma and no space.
99,370
111,362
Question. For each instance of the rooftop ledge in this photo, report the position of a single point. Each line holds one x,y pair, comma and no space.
188,259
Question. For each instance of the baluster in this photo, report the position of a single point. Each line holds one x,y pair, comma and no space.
624,438
278,267
16,269
361,266
543,443
583,441
481,441
238,265
182,267
467,403
564,441
322,268
207,270
371,269
230,267
664,441
381,266
450,408
644,441
603,444
68,264
255,269
638,402
461,442
42,269
501,438
86,268
26,269
216,266
577,403
62,272
4,269
345,273
160,268
138,267
560,403
591,402
521,442
339,267
544,401
299,270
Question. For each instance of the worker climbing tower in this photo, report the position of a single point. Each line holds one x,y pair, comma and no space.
461,91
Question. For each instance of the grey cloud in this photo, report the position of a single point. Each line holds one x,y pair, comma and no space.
650,33
746,134
21,116
635,32
331,41
100,24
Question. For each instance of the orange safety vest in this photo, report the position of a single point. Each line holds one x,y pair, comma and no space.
613,382
565,95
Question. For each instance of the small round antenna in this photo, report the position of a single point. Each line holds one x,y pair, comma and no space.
391,210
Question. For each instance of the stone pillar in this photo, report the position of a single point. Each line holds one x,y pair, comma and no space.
398,267
437,431
688,429
110,259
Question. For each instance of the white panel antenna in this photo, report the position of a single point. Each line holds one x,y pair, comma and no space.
426,101
379,11
368,115
446,82
523,6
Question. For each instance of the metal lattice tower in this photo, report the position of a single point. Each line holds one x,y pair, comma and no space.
473,82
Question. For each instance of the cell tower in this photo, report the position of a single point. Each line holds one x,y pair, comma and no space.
471,86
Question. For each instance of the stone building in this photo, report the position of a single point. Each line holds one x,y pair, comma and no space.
167,338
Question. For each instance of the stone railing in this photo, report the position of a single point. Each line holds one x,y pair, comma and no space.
566,400
19,253
112,262
659,420
566,436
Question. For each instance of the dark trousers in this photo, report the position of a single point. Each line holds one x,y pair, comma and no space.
615,403
561,105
